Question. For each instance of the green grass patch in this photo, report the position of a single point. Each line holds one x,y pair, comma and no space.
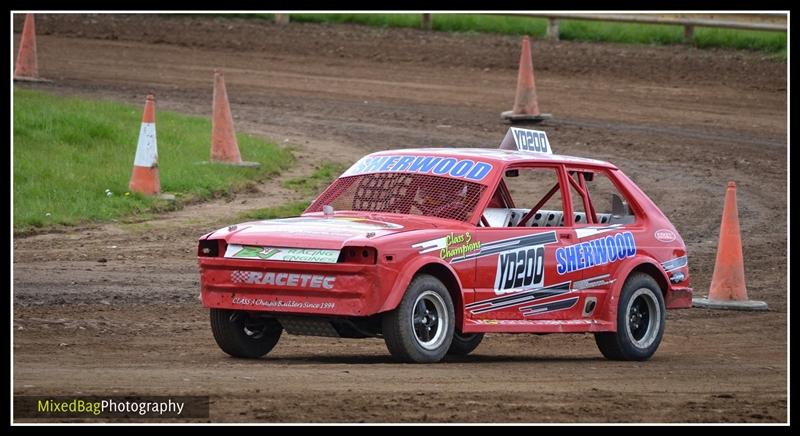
628,33
316,182
293,208
309,186
571,30
69,151
772,42
441,22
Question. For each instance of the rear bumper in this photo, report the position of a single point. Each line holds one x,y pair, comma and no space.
292,287
679,298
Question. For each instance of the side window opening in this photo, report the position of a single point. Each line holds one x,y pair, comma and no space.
608,202
583,212
526,197
578,209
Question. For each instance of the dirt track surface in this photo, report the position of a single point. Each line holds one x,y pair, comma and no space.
113,309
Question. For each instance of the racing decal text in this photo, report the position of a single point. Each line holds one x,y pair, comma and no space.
283,279
250,252
459,245
471,249
664,235
290,304
531,140
595,252
282,254
504,245
440,166
523,268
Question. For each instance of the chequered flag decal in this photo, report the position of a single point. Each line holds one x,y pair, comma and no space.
239,276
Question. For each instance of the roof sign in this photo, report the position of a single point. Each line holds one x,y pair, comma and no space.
534,141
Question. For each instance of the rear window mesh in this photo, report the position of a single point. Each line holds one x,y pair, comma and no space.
410,194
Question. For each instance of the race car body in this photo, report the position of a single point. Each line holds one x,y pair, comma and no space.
431,248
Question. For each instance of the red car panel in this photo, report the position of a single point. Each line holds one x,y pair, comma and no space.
396,213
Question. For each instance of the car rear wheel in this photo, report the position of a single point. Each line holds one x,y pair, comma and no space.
242,335
640,321
464,344
420,329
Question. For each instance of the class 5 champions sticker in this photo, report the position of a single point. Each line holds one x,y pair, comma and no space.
281,254
451,246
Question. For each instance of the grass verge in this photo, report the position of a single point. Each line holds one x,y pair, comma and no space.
294,208
309,187
68,152
570,30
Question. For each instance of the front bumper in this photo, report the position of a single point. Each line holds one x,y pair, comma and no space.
293,287
679,298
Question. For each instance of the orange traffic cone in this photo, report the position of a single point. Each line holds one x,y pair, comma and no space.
727,285
526,107
26,68
145,165
224,148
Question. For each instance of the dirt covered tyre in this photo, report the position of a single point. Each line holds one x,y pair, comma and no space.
640,321
242,335
420,329
464,344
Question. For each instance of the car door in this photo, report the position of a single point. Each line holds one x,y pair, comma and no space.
516,270
605,228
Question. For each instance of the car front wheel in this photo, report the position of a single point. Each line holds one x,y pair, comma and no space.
242,335
464,344
420,329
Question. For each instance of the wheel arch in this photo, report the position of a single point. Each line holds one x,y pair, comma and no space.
645,265
436,268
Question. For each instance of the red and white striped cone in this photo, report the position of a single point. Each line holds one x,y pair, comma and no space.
145,178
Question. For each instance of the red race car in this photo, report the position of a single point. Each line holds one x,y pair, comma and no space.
432,248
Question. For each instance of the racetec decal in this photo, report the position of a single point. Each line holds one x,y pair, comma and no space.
292,280
440,166
595,252
282,254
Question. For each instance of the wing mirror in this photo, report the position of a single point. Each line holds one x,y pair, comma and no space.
619,207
